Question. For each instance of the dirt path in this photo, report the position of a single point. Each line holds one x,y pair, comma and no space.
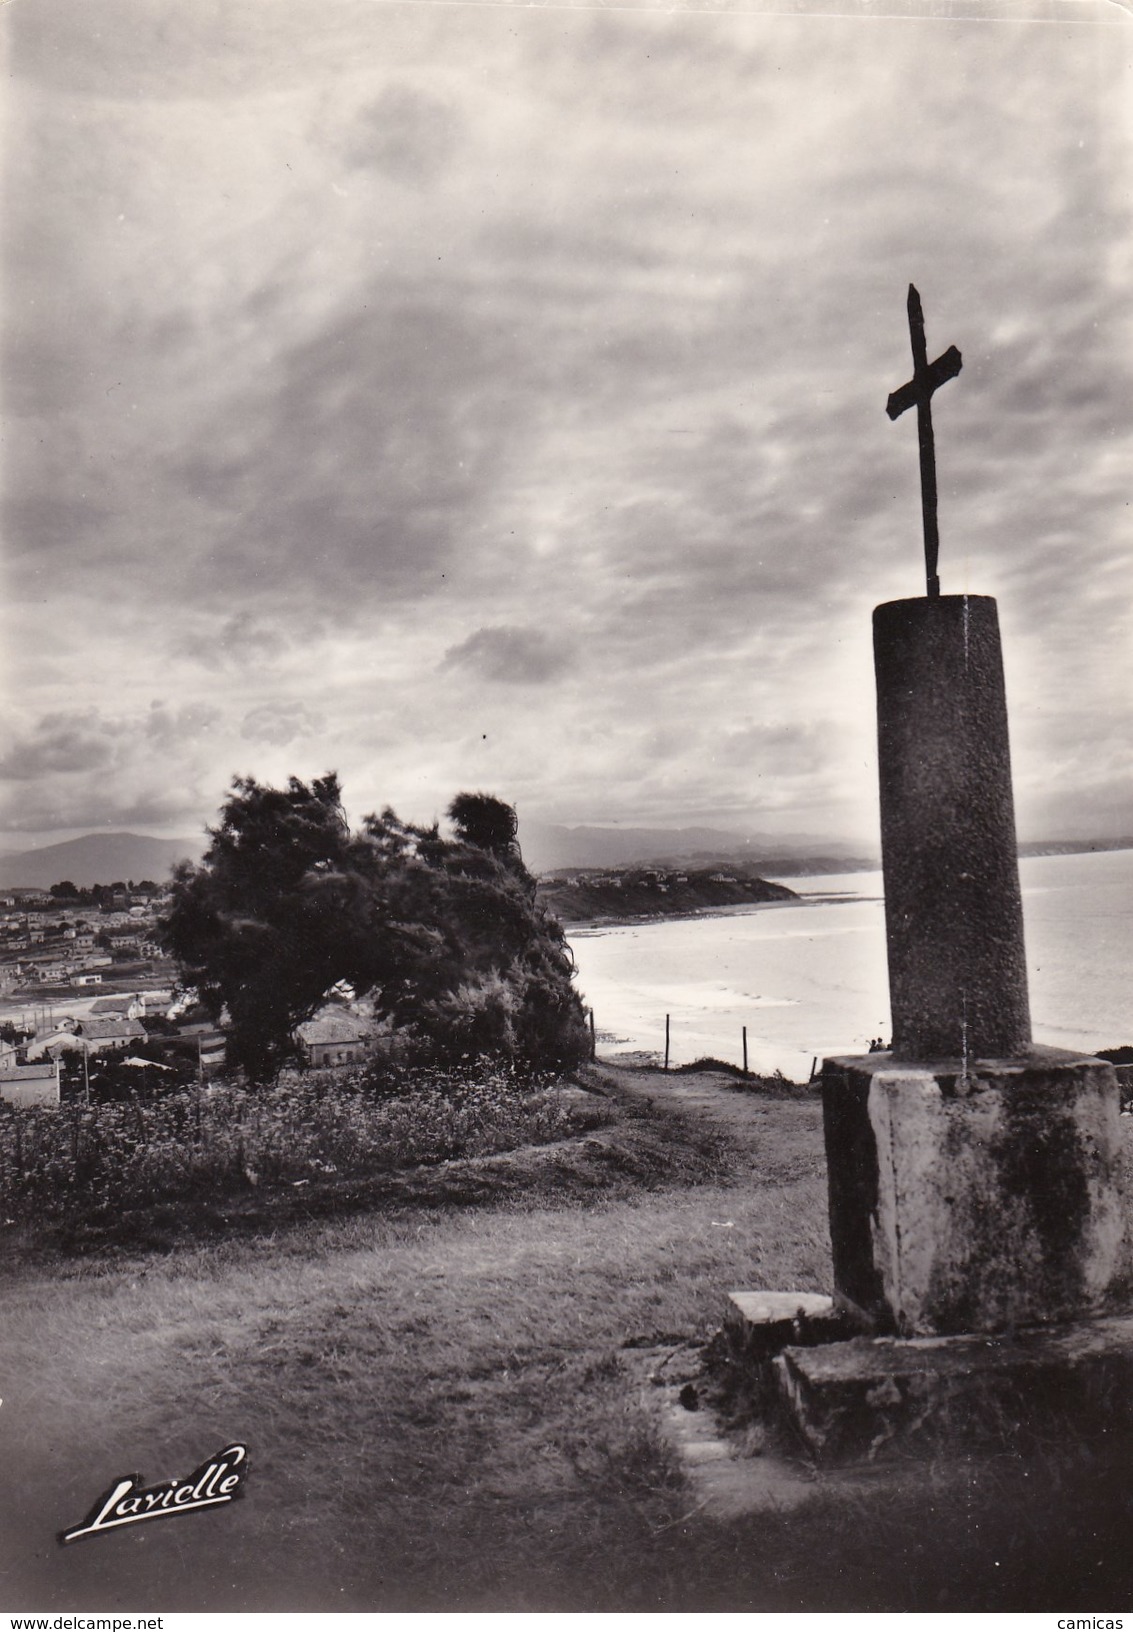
745,1111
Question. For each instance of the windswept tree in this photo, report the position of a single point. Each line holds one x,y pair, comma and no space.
249,925
485,823
445,933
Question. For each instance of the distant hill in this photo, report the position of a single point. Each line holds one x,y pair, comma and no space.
97,858
654,892
1073,847
548,848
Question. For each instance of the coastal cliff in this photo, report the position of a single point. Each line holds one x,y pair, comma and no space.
592,896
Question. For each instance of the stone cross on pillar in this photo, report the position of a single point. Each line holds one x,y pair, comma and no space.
973,1177
953,911
926,377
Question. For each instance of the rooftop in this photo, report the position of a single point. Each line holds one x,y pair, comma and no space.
331,1028
105,1031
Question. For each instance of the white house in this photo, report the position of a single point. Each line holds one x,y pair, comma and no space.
54,1044
333,1039
105,1035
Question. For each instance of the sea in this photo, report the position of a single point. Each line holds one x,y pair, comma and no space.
809,978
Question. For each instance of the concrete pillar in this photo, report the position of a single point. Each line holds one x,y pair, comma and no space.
953,912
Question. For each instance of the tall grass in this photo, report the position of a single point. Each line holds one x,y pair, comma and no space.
80,1161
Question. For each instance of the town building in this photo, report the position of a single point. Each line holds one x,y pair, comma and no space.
107,1035
331,1039
27,1086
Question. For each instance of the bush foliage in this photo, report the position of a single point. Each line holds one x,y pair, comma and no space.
444,933
81,1161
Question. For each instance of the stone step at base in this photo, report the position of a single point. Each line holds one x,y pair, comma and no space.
761,1323
872,1398
757,1325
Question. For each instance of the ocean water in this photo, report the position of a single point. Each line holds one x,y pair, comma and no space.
811,979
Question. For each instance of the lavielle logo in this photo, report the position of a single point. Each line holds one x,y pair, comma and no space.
215,1482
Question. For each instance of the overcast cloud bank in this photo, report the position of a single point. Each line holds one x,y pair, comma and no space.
494,397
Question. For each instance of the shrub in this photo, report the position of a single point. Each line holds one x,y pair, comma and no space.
81,1160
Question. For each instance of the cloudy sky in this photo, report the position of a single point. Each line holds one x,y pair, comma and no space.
491,396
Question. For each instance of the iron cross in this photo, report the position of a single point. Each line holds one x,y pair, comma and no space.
926,377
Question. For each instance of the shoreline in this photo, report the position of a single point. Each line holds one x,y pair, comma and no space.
739,909
802,897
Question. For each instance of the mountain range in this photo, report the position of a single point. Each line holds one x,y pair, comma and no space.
106,858
96,858
549,848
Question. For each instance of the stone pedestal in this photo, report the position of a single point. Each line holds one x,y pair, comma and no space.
890,1397
953,910
974,1202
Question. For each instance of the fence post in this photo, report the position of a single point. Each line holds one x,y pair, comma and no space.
745,1051
666,1042
593,1038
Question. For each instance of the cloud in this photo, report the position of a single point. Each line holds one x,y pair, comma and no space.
81,767
279,723
406,134
350,474
409,331
513,655
86,803
72,740
239,641
169,727
792,749
215,50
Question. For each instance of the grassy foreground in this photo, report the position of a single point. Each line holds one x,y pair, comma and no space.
440,1411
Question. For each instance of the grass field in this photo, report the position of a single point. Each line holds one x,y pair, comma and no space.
441,1412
